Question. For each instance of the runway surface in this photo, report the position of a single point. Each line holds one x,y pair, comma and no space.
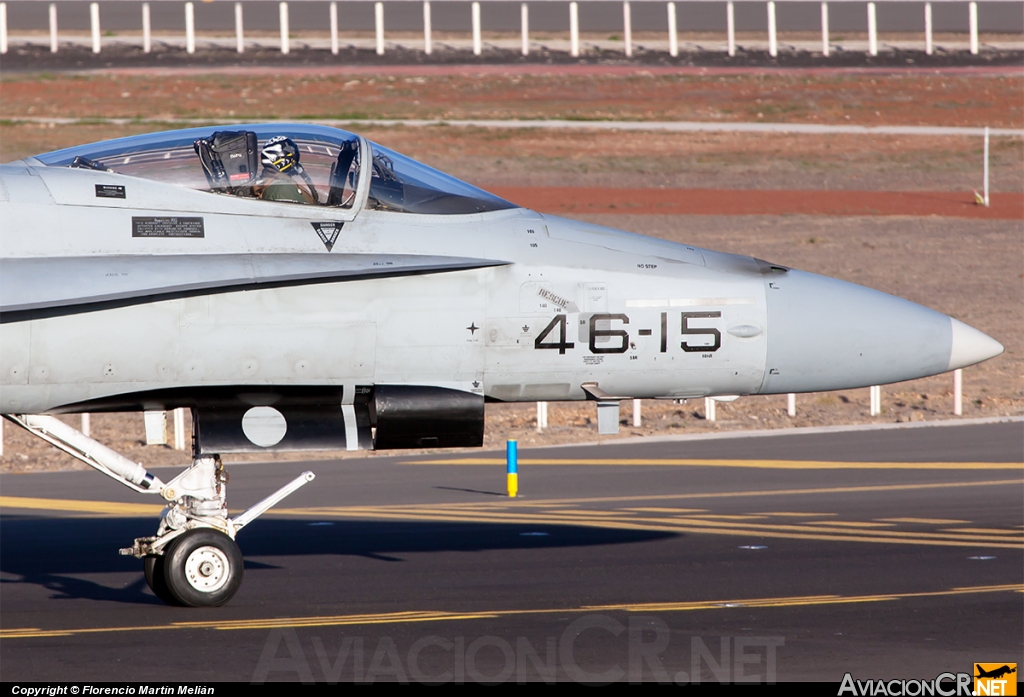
888,553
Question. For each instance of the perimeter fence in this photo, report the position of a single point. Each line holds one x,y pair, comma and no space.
336,14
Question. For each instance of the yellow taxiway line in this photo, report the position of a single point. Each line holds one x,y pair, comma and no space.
757,464
444,616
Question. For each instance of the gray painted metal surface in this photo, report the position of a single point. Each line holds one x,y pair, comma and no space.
509,304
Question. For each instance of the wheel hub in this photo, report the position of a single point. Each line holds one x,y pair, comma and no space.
207,569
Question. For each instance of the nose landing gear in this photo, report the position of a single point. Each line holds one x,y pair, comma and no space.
193,559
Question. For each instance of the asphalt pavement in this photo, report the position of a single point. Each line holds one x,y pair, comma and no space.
884,553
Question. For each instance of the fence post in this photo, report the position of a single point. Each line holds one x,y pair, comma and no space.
928,28
730,28
378,23
627,28
790,404
86,425
94,25
53,27
3,27
872,30
876,400
972,14
709,409
637,416
179,429
190,28
334,28
673,31
958,392
824,29
477,40
773,41
283,15
574,30
542,416
986,167
147,29
524,25
428,32
239,31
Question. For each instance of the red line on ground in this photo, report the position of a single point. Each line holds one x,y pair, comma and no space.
546,69
584,200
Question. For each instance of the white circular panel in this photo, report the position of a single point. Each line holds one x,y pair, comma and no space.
264,426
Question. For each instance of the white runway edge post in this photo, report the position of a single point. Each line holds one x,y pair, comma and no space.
179,429
239,30
428,34
542,416
334,28
673,31
1,437
730,28
283,11
972,13
524,27
773,39
190,28
94,25
477,40
790,404
156,427
627,28
86,426
378,25
985,184
928,28
53,27
637,416
958,392
709,409
872,30
3,27
574,30
824,29
876,400
147,29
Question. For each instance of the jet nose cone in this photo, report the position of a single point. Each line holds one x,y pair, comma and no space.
969,346
826,334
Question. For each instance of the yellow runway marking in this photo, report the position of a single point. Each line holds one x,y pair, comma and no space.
705,516
444,616
796,515
983,531
925,521
852,524
759,464
665,510
77,506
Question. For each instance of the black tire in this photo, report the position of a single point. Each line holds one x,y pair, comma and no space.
203,568
153,566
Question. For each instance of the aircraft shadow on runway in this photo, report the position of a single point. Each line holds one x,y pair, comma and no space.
55,552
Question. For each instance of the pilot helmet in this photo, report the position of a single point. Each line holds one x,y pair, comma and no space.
281,153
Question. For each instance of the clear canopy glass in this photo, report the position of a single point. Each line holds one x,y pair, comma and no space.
399,183
329,160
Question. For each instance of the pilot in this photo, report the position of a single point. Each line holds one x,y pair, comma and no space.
280,159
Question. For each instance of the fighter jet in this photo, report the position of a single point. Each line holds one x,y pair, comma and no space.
300,288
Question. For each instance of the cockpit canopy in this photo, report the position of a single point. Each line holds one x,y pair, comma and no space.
227,160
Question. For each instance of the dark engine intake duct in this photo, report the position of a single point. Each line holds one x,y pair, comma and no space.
414,416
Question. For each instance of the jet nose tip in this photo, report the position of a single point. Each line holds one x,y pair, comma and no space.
969,346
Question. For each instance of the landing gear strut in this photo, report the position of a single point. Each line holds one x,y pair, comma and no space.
193,559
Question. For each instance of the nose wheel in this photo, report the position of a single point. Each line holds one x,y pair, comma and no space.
201,568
